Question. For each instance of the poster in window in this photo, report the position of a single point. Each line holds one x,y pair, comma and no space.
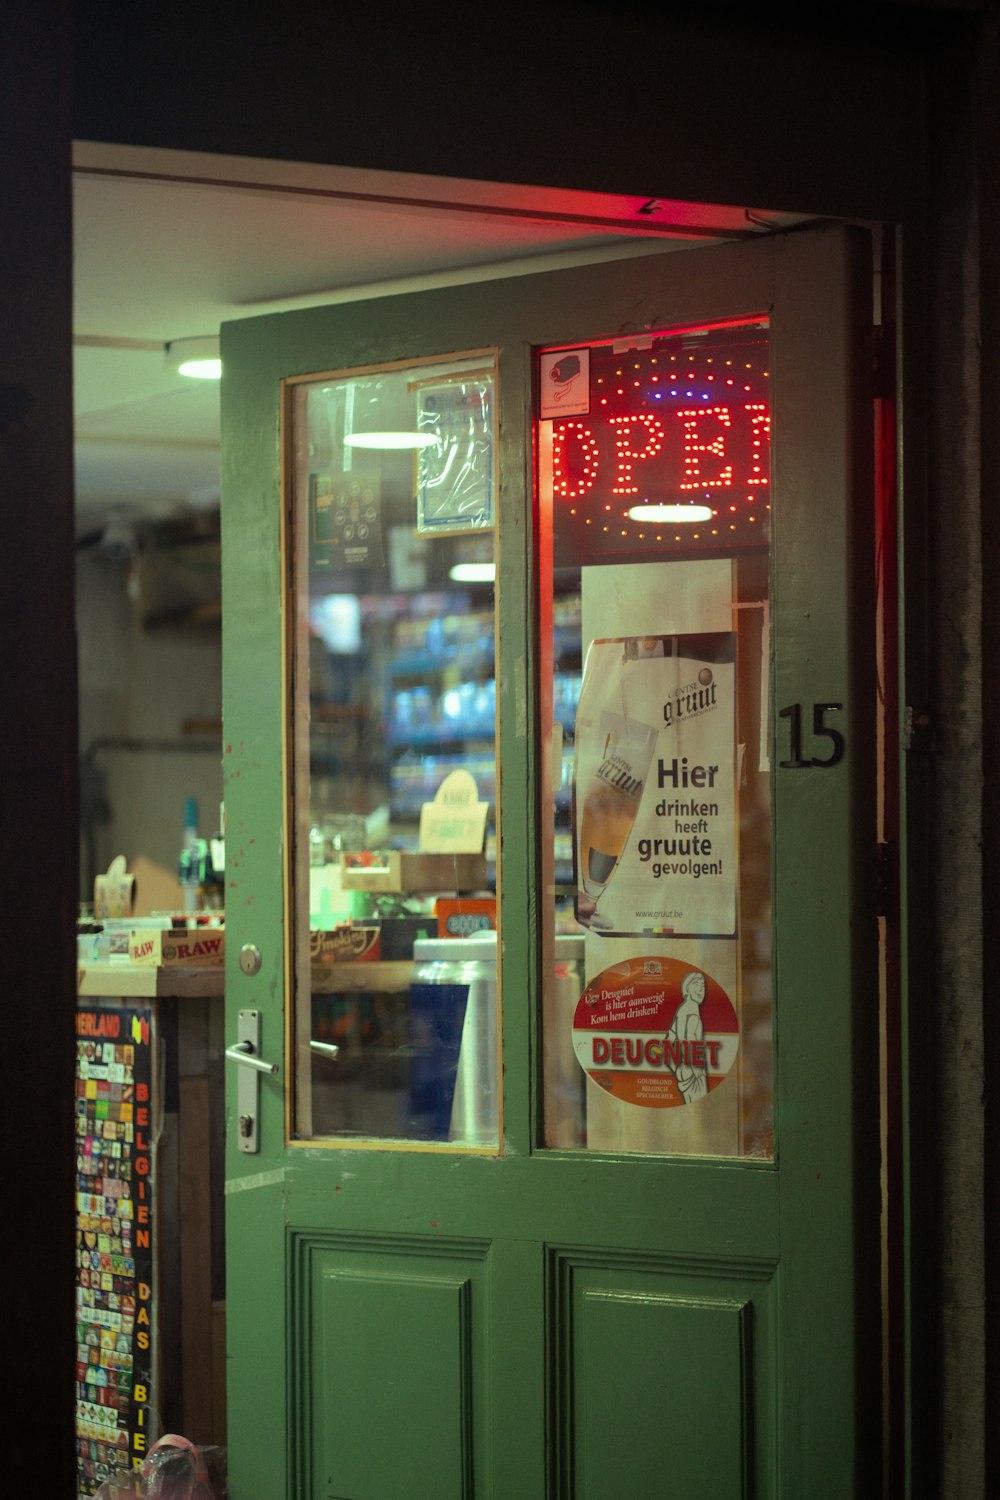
455,473
654,786
345,520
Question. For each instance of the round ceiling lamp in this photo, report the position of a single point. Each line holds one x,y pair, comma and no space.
197,358
390,440
473,572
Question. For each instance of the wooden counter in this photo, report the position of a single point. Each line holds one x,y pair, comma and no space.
382,976
146,982
127,981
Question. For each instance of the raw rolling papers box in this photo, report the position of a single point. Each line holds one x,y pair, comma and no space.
177,947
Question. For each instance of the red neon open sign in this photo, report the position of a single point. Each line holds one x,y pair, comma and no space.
674,447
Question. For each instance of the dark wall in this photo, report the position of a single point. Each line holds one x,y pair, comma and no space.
644,98
38,838
988,148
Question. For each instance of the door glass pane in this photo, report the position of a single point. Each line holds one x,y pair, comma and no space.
653,485
392,770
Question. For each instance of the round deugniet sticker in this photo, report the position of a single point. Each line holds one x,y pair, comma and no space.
656,1032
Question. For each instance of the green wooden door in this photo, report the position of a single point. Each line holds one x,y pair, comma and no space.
638,1255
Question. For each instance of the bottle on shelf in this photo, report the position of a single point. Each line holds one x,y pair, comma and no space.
192,857
213,877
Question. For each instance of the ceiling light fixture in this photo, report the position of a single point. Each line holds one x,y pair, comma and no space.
389,440
197,358
473,572
371,419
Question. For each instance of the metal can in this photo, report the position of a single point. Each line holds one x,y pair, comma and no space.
564,1079
453,1040
454,1062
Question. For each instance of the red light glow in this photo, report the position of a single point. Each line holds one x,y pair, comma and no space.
698,447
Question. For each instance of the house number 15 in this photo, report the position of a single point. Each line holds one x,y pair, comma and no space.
820,729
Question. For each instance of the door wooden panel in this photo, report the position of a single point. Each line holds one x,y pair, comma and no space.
410,1374
664,1395
663,1369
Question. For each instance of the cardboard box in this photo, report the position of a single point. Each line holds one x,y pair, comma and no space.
178,947
464,916
413,873
400,933
157,889
345,945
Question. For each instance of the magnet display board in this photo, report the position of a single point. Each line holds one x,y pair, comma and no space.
114,1240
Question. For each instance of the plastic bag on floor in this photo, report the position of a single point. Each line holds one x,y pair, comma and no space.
174,1470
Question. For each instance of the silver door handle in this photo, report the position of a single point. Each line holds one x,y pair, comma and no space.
246,1051
326,1049
245,1054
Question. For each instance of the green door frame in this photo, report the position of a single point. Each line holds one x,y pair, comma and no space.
822,1201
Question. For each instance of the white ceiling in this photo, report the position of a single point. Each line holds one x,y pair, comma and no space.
169,245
